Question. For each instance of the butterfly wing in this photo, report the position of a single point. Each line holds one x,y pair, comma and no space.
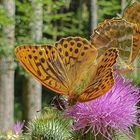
57,67
116,33
103,79
77,56
132,15
40,62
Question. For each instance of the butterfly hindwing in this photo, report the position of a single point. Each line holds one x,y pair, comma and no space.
103,79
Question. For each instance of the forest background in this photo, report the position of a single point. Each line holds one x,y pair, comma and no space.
42,22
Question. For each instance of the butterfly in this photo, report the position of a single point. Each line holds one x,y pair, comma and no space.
70,67
118,33
123,34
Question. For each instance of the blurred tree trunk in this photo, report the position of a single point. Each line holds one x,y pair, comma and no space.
74,5
32,89
7,69
92,15
123,5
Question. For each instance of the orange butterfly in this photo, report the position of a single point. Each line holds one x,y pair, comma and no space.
70,67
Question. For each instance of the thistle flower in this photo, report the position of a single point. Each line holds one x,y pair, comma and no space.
116,110
17,128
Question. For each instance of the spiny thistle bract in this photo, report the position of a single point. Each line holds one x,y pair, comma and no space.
51,125
121,136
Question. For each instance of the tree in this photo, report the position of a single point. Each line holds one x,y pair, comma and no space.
92,15
123,5
7,67
32,89
108,9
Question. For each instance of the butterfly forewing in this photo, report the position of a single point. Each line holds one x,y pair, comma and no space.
38,61
103,79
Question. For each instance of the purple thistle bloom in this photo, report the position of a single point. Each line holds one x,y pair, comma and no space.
116,110
18,127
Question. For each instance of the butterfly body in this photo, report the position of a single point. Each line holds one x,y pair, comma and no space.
71,67
84,78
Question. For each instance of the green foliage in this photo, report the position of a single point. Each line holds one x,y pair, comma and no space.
2,137
108,9
51,125
5,50
4,20
22,21
137,133
121,136
59,21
